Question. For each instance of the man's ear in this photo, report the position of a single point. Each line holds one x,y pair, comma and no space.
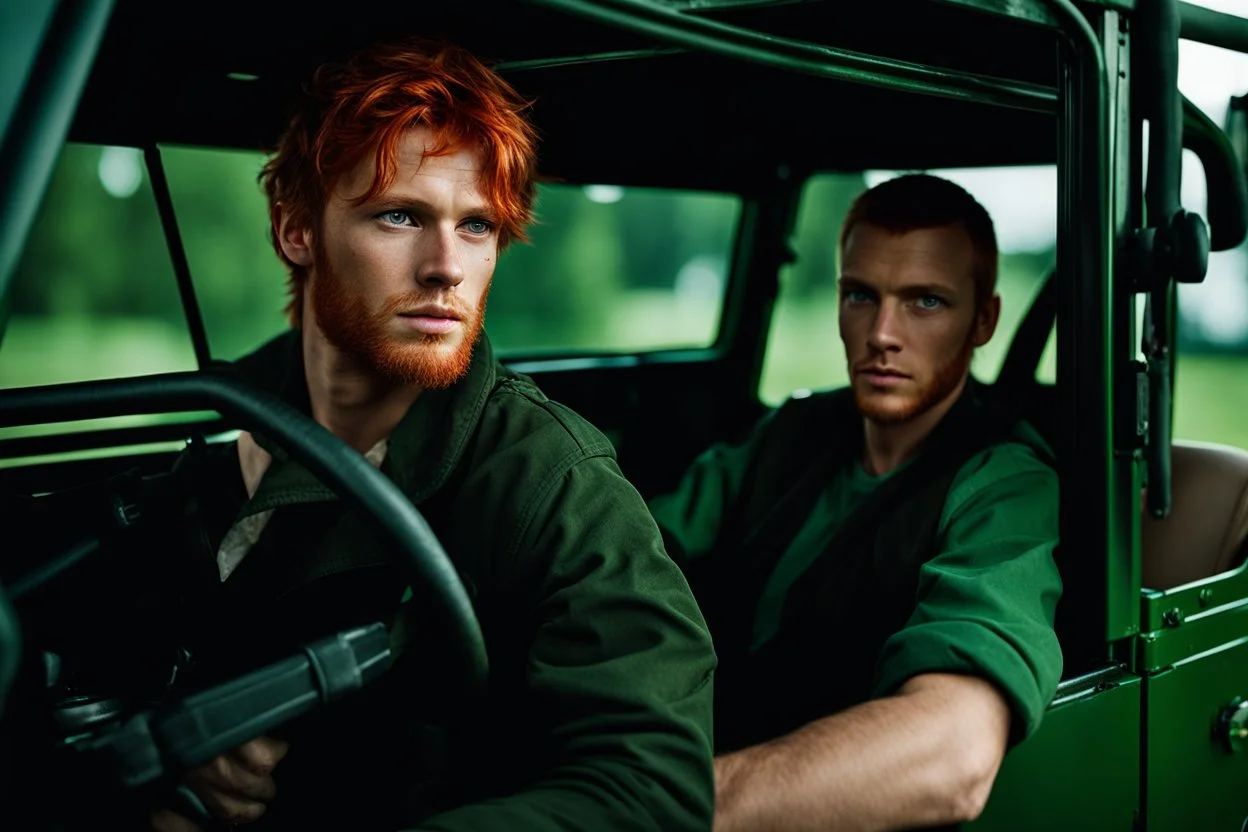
986,318
295,239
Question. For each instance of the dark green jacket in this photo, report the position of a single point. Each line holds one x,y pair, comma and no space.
943,566
598,715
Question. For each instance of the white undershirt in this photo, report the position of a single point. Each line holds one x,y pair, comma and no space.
244,534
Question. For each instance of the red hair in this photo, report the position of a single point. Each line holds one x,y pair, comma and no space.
366,103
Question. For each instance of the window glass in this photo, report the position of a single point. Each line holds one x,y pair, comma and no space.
1211,364
804,348
94,295
606,269
613,269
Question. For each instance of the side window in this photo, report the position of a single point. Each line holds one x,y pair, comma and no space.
613,269
1210,396
804,349
94,294
608,269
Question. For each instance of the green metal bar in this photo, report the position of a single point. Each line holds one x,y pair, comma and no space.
705,35
1214,28
32,141
1123,570
1081,687
1210,630
1194,598
1027,11
577,60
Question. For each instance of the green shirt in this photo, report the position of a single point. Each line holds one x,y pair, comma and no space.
842,495
985,603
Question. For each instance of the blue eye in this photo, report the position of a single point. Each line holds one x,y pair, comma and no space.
478,226
930,302
395,217
857,296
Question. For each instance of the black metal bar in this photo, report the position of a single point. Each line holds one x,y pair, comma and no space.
763,250
1157,79
342,469
177,254
1214,28
36,133
10,648
734,42
1227,205
1084,326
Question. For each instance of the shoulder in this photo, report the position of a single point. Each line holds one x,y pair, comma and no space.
517,411
1020,450
1016,470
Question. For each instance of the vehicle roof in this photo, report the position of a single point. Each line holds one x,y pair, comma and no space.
668,117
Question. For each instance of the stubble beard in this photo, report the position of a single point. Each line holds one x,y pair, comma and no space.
882,412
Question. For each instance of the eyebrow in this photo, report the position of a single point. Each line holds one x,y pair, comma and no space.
482,210
911,290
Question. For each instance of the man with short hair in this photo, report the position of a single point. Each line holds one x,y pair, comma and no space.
876,562
402,176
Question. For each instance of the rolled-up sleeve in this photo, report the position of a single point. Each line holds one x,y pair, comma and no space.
986,602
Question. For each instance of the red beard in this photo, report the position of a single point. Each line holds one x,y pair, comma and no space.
422,359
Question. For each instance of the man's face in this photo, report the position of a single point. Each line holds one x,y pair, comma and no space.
908,318
400,282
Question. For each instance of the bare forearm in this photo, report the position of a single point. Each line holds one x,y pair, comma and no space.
926,756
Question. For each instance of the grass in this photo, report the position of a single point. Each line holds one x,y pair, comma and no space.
1211,399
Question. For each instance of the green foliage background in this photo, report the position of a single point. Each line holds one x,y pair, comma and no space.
95,295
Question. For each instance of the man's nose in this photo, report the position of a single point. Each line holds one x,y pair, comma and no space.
440,265
886,329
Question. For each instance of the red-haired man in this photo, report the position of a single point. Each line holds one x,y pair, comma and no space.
395,186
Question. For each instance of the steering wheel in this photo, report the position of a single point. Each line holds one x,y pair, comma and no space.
433,579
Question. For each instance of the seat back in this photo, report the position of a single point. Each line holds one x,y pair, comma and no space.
1206,532
1207,529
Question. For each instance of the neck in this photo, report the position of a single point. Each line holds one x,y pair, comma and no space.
889,446
349,398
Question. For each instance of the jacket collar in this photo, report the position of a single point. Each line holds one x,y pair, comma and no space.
424,448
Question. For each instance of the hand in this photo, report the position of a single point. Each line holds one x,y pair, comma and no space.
235,787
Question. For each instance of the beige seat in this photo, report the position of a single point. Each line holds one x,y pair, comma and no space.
1208,524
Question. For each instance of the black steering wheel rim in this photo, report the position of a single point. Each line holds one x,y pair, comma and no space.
341,468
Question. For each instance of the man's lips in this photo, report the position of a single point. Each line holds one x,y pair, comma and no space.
882,376
431,320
